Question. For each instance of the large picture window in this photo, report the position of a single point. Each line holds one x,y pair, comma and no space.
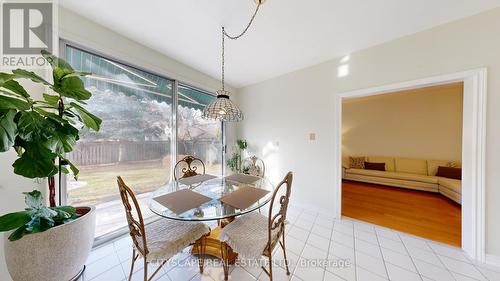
135,140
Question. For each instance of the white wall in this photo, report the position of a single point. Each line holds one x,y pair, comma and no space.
424,123
287,108
84,32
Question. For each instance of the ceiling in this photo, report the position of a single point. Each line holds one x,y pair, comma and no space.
287,35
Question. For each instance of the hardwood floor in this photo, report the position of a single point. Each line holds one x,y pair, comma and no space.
425,214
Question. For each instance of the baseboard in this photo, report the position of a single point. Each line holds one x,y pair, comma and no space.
493,260
312,208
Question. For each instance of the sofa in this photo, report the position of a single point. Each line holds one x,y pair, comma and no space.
417,174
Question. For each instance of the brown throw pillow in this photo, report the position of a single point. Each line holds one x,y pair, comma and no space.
357,162
449,172
375,166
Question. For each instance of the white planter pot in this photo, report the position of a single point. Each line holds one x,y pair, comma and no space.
57,254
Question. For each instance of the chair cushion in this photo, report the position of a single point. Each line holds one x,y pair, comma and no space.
389,162
393,175
248,235
452,184
411,166
166,238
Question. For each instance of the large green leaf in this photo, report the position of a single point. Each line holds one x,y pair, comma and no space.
73,168
34,127
62,139
73,88
51,99
8,129
21,73
15,87
13,220
18,234
67,209
4,77
36,162
13,103
90,120
56,62
52,116
76,74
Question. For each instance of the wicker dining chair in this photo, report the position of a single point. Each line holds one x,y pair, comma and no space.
160,240
188,167
254,166
254,235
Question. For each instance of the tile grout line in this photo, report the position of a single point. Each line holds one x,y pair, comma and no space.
381,254
440,260
355,258
328,249
116,253
302,251
331,243
411,258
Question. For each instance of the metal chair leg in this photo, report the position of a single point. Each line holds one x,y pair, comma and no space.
134,258
201,244
284,255
145,269
270,266
225,259
157,270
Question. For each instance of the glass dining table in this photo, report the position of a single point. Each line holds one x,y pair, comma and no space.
213,210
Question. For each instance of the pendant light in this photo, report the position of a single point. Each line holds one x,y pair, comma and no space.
223,108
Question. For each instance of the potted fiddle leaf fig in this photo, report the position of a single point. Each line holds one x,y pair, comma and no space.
45,243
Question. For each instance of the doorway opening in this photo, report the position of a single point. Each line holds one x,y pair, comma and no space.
401,161
473,150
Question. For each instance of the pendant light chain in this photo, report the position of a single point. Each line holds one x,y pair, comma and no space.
246,28
224,34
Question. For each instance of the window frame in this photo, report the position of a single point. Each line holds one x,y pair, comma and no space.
63,43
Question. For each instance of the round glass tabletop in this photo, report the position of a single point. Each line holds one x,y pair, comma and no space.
214,209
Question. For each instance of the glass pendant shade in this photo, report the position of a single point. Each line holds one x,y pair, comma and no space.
222,109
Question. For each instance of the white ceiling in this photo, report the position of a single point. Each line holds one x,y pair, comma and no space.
287,34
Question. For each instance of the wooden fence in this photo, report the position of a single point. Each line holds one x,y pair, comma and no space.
115,152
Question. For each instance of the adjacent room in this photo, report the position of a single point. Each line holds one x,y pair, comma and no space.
402,154
189,140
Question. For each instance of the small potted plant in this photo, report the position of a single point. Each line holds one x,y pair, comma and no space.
45,243
235,162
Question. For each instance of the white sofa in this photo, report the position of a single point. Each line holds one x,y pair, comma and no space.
407,173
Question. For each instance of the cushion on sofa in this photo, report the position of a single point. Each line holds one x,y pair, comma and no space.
411,166
357,162
452,184
345,162
432,166
449,172
393,175
389,162
374,166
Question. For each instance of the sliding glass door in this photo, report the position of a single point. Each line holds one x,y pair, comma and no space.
135,140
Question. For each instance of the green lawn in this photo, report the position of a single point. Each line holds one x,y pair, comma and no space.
97,184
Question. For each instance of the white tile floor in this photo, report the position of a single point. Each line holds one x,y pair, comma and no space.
367,252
